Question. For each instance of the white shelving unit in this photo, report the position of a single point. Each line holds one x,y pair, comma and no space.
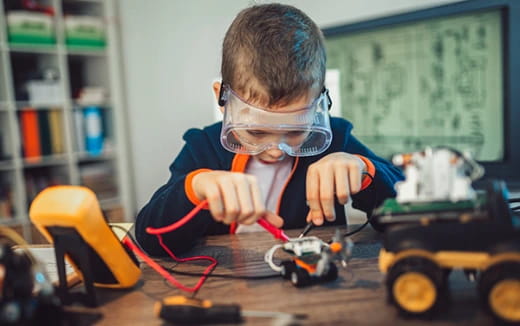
95,67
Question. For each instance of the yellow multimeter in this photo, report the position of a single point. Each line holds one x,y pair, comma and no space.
70,217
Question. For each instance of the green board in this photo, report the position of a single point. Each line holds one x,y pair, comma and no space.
429,83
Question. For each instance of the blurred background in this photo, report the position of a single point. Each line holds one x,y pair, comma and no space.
100,92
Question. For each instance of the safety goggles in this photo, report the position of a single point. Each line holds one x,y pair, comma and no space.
247,129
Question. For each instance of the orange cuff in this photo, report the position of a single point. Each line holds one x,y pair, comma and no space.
188,187
371,171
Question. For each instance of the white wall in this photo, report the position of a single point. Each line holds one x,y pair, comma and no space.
171,54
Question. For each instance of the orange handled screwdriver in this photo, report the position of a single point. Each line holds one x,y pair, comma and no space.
183,310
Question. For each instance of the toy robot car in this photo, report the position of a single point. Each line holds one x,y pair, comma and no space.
312,259
426,236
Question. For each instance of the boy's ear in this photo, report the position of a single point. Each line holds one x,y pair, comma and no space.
216,90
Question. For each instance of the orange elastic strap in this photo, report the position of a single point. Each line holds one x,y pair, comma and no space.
371,171
239,164
190,193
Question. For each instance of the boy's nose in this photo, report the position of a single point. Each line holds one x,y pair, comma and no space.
275,153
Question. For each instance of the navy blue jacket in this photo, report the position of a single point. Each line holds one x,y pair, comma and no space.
204,150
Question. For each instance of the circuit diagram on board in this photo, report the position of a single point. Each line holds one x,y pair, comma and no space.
428,83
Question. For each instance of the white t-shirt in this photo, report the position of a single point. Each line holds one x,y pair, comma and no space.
271,178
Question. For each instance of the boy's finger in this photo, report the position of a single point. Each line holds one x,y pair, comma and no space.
273,219
245,200
327,193
215,204
258,205
231,204
317,217
354,175
341,177
312,192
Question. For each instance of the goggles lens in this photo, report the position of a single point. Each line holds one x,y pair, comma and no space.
247,129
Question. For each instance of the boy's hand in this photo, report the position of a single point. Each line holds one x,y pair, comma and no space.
233,197
335,175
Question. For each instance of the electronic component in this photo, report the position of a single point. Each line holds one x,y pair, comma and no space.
442,225
71,219
312,259
26,294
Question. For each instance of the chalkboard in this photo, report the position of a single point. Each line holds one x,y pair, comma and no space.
432,82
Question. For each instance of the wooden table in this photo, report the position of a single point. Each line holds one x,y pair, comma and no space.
357,297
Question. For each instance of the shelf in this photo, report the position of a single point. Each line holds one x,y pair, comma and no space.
60,123
23,105
10,221
84,157
45,161
33,48
72,50
6,165
86,51
85,1
104,105
27,105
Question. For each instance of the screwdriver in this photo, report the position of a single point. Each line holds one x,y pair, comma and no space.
183,310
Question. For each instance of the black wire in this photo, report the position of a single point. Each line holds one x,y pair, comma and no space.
125,230
348,234
514,200
240,277
369,216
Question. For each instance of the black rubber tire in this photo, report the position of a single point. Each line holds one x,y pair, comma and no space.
491,277
332,274
422,266
288,267
497,203
300,277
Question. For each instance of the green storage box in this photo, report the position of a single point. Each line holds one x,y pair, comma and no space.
84,31
26,27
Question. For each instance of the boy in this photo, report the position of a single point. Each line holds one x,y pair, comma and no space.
276,154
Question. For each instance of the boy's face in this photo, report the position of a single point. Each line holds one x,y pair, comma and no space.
272,154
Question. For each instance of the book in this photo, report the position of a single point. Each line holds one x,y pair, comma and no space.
6,200
108,131
30,134
56,124
93,130
39,178
4,155
79,131
100,178
45,132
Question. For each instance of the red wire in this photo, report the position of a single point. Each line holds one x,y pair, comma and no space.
180,222
158,268
279,234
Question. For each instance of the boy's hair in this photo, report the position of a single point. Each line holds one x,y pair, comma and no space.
273,48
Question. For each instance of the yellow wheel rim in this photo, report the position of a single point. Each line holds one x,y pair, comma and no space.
414,292
504,299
